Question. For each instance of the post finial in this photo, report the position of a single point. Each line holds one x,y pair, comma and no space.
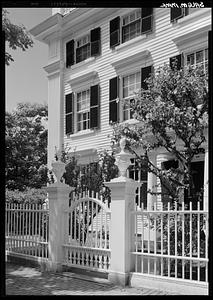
123,158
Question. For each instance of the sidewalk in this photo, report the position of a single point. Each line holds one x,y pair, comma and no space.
21,280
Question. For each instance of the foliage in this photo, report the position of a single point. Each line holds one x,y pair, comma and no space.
91,176
26,147
29,195
172,114
16,36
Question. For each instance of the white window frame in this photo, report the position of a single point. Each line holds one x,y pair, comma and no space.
137,11
82,44
121,88
82,111
145,205
186,54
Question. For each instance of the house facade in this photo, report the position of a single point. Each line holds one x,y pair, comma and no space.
99,56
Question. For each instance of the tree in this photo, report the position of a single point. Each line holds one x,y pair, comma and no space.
172,113
16,36
26,147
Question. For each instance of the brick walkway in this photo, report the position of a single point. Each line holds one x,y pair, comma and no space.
21,280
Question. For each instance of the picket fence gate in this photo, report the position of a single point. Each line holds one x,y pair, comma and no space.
87,245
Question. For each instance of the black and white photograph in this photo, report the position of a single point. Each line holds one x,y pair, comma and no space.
106,148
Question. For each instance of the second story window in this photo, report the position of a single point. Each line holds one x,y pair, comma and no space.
127,27
131,26
177,13
83,48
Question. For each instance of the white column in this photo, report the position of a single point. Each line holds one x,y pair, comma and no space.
151,184
122,224
58,196
162,157
206,180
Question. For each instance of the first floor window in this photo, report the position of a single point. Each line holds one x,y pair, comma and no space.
139,173
130,84
83,110
198,58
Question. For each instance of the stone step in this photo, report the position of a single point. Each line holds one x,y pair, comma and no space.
90,277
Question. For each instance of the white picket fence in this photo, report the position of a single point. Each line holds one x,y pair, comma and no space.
27,228
87,245
172,242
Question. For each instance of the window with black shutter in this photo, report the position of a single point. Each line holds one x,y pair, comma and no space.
69,53
95,39
114,32
145,73
113,103
146,19
177,13
69,113
94,106
176,62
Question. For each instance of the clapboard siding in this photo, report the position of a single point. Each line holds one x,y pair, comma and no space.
160,44
161,47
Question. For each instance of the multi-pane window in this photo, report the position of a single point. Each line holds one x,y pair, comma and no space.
130,84
139,174
131,26
83,110
83,48
198,58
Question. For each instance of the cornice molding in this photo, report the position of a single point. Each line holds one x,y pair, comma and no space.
126,61
82,78
54,67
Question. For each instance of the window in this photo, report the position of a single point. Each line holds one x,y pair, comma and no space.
84,47
177,13
83,110
130,26
139,173
130,84
198,58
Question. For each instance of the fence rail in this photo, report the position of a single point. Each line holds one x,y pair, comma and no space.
27,229
172,242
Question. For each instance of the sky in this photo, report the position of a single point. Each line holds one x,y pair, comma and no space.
25,78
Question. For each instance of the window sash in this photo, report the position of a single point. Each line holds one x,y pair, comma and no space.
198,58
83,110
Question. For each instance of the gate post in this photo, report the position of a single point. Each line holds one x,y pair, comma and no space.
122,224
58,196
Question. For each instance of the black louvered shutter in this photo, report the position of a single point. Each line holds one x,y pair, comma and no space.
113,95
69,113
146,19
94,106
176,61
176,13
114,32
145,73
70,53
95,39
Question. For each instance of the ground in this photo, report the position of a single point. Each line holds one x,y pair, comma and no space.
23,280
